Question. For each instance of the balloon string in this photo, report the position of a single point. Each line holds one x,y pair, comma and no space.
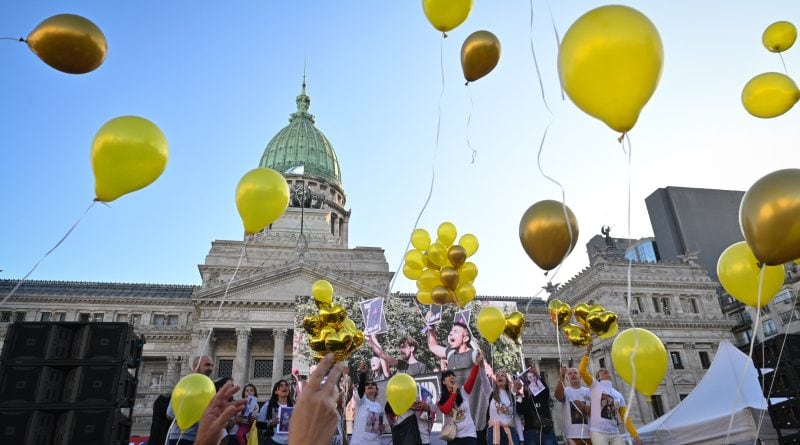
20,39
19,283
784,64
536,64
469,120
558,46
204,347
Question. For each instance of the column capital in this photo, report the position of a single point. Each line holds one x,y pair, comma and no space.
279,333
243,333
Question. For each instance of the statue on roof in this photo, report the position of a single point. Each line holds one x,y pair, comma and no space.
690,258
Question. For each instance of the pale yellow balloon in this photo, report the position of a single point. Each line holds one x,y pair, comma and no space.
401,392
491,323
411,273
467,273
262,196
128,153
445,15
779,36
739,273
429,279
610,63
322,291
420,239
424,297
470,243
649,359
465,292
190,398
415,259
769,95
437,254
447,233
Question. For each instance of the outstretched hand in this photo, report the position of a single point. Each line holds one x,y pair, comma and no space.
317,406
217,414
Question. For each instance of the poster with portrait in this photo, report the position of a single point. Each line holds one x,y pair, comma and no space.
284,415
436,314
462,317
374,318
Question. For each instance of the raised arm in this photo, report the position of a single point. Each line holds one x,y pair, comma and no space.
437,349
447,406
362,380
587,378
372,341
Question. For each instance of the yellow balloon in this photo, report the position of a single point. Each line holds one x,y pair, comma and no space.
429,279
545,234
769,95
470,244
420,239
739,274
445,15
411,273
322,291
261,198
437,254
69,43
770,217
650,359
610,63
467,273
424,297
491,323
401,392
447,233
190,398
415,259
465,292
779,36
128,153
479,55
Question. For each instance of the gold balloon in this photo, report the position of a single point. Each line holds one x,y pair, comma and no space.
449,278
769,95
457,256
339,341
128,153
440,295
470,244
576,335
333,316
312,324
447,233
770,217
322,291
317,342
262,196
560,312
420,239
479,55
602,324
610,63
545,235
424,297
445,15
69,43
515,324
467,273
779,36
582,310
464,294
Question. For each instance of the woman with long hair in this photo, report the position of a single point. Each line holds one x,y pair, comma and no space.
268,418
534,406
370,421
505,427
243,420
454,404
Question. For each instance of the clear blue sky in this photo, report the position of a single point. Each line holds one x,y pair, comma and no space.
220,81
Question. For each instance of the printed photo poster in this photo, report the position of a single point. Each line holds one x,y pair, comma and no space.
462,317
436,314
284,415
374,318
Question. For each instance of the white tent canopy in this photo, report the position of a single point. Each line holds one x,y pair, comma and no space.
729,386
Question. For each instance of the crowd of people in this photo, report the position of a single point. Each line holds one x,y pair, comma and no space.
485,406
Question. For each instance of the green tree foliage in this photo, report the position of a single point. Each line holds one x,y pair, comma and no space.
405,317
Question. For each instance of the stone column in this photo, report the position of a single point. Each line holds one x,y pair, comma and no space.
279,335
242,360
172,365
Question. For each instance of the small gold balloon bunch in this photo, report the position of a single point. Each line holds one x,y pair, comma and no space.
592,319
440,268
331,330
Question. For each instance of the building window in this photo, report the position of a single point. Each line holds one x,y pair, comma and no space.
45,316
5,317
602,362
676,359
658,405
262,369
172,320
743,337
97,317
682,396
158,320
689,305
287,367
693,305
224,368
122,318
790,316
704,360
782,296
665,305
156,379
19,316
656,306
84,317
765,310
135,319
637,304
59,316
769,328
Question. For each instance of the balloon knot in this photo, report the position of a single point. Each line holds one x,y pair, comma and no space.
22,39
466,84
444,35
621,137
545,272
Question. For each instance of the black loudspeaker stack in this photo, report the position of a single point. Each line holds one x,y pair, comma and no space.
66,383
784,400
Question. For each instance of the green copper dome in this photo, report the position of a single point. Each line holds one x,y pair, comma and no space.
301,144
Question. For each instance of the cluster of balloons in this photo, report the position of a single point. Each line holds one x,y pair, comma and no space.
610,63
492,323
769,95
331,330
262,196
768,216
69,43
590,318
548,232
649,359
440,268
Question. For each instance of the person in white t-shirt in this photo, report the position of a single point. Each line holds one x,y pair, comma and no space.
505,425
606,403
577,403
454,404
370,421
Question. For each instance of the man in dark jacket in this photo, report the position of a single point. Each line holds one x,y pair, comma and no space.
159,425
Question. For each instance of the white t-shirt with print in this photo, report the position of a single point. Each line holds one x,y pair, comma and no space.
370,421
465,426
576,423
606,402
505,413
